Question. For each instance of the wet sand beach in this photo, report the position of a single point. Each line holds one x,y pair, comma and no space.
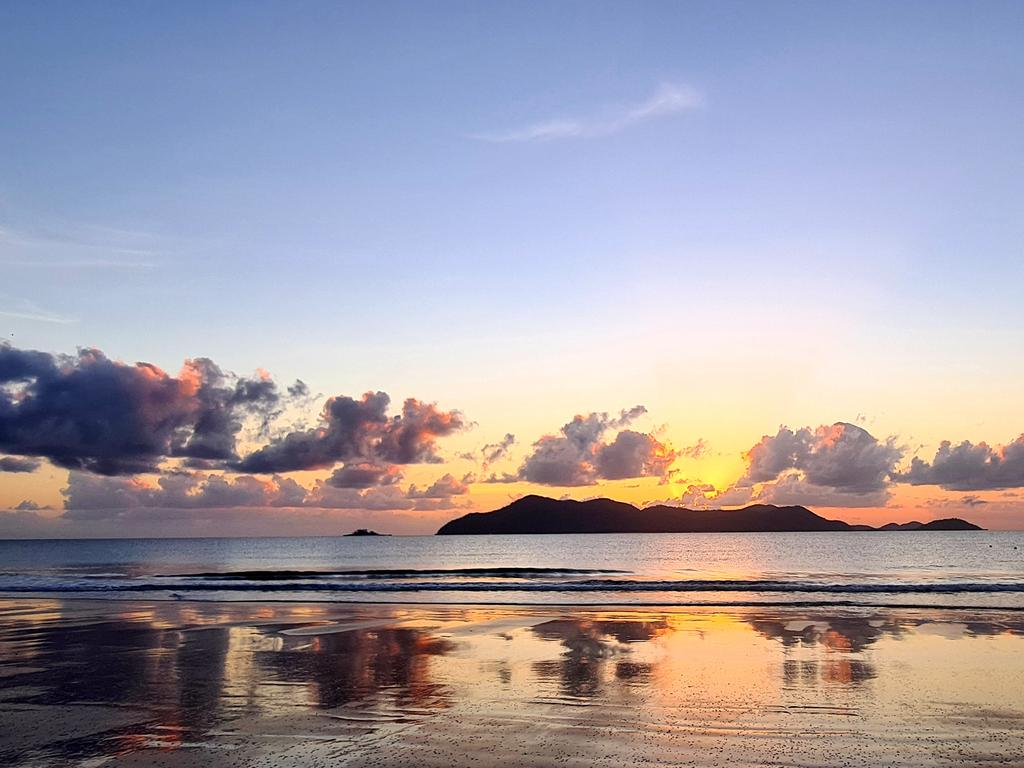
93,683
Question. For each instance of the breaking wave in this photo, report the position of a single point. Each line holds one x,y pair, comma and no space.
506,580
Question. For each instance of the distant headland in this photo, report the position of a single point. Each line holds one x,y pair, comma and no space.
539,514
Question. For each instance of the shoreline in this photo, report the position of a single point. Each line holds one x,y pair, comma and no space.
780,604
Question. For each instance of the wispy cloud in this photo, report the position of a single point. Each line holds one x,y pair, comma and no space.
23,309
71,251
667,100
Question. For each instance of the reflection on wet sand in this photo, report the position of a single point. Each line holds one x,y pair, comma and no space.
236,684
591,647
343,667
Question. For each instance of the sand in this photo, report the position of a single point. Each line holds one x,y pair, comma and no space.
94,683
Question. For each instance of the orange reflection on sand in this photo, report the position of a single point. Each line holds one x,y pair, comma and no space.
627,683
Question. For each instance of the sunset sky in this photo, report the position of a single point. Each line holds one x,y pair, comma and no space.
697,253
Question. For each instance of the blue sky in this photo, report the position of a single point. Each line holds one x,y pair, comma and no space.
528,210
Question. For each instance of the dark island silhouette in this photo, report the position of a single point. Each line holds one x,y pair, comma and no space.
366,532
539,514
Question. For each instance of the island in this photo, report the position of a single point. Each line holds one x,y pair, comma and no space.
540,514
366,532
945,524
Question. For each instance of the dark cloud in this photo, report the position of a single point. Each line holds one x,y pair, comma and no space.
224,402
968,501
18,464
411,437
842,457
633,454
359,430
580,456
27,505
557,461
627,417
91,413
364,475
493,452
24,364
773,455
970,467
87,412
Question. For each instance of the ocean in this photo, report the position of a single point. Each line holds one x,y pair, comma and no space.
941,569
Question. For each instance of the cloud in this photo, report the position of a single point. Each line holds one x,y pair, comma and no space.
352,429
93,497
444,487
237,521
696,451
389,497
772,455
633,454
23,309
440,495
792,489
969,467
841,465
580,456
504,477
224,401
88,412
667,100
88,496
497,451
556,461
843,457
91,413
76,248
706,496
18,464
364,475
967,501
789,489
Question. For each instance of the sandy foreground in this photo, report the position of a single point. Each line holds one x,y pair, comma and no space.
91,683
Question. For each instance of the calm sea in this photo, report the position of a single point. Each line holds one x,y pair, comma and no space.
957,569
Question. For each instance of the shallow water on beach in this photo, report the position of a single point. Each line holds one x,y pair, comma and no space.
965,569
90,683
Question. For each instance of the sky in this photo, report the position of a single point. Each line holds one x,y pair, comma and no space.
704,254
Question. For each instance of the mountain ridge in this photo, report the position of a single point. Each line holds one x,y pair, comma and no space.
536,514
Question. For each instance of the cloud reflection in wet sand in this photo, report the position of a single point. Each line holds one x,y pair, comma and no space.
233,684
